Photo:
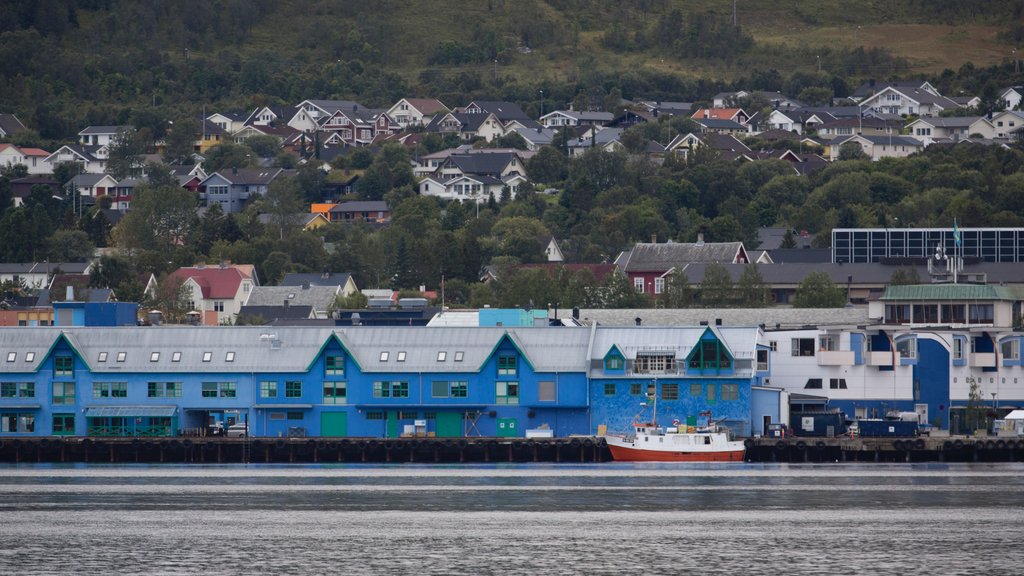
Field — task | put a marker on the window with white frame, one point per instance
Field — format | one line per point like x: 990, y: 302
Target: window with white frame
x: 659, y: 285
x: 638, y: 283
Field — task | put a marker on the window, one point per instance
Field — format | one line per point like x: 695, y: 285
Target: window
x: 837, y: 383
x: 401, y: 357
x: 613, y: 363
x: 442, y: 356
x: 696, y: 390
x: 268, y: 389
x: 390, y: 389
x: 670, y: 391
x: 546, y: 391
x: 383, y: 356
x: 109, y: 389
x: 802, y: 347
x: 439, y: 389
x: 712, y: 392
x: 813, y: 384
x: 219, y: 390
x: 17, y: 423
x: 506, y: 365
x: 63, y: 392
x: 176, y: 357
x: 654, y: 363
x: 506, y: 392
x: 404, y: 415
x: 827, y: 343
x: 460, y: 389
x: 635, y: 389
x: 979, y: 313
x: 334, y: 366
x: 207, y: 356
x: 958, y: 348
x: 63, y: 424
x: 218, y: 305
x: 293, y: 389
x: 163, y: 390
x: 762, y: 360
x: 12, y: 356
x: 730, y: 391
x: 63, y: 366
x: 154, y: 357
x: 277, y: 415
x: 335, y: 393
x: 30, y: 357
x: 638, y: 283
x: 609, y: 389
x: 375, y: 415
x: 659, y: 285
x: 907, y: 348
x: 294, y: 415
x: 459, y: 355
x: 709, y: 355
x: 18, y: 390
x: 1010, y: 349
x: 229, y: 357
x: 122, y: 356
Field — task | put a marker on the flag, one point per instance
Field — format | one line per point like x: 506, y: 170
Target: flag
x: 956, y: 233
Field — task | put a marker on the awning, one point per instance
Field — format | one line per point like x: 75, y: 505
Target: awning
x: 283, y: 406
x: 129, y: 411
x: 20, y: 406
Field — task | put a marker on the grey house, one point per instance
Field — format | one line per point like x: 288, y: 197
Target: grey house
x: 234, y: 189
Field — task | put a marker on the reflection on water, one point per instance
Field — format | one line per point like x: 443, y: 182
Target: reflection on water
x: 537, y: 519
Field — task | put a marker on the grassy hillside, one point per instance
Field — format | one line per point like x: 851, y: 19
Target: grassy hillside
x: 63, y: 63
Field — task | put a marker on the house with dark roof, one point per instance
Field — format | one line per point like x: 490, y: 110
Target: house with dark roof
x: 10, y: 125
x: 561, y: 118
x: 648, y: 265
x: 720, y: 126
x: 263, y: 315
x: 374, y: 211
x: 507, y: 113
x: 93, y: 185
x: 604, y: 139
x: 319, y: 298
x: 91, y: 158
x: 343, y: 280
x: 877, y: 147
x: 21, y: 188
x: 233, y: 189
x: 727, y: 146
x: 415, y: 111
x: 99, y: 135
x: 907, y: 102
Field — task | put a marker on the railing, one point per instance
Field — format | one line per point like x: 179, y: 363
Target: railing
x: 835, y: 358
x: 883, y: 358
x: 983, y: 359
x: 128, y: 431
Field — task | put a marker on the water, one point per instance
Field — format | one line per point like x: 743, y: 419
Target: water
x: 513, y: 519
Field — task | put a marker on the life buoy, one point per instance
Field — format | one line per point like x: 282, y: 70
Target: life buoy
x: 801, y: 445
x: 1000, y: 445
x: 748, y: 443
x: 898, y: 445
x: 780, y: 445
x: 947, y: 445
x: 919, y: 444
x: 819, y: 445
x: 958, y: 445
x: 990, y: 445
x: 979, y: 445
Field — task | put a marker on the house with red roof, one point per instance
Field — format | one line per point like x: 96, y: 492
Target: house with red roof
x: 31, y: 158
x: 216, y: 292
x: 735, y: 114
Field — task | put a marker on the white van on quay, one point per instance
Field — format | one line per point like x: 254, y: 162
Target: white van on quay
x: 240, y: 430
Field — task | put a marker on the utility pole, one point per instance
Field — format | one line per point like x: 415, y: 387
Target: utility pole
x: 734, y: 13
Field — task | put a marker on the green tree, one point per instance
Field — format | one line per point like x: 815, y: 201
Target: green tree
x: 264, y: 146
x: 171, y: 297
x: 69, y: 246
x: 716, y: 289
x: 753, y: 292
x: 125, y: 154
x: 181, y: 140
x: 852, y: 151
x: 904, y: 276
x: 228, y: 155
x: 618, y: 292
x: 161, y: 219
x: 283, y: 204
x: 548, y: 165
x: 274, y: 267
x: 678, y: 292
x: 818, y: 291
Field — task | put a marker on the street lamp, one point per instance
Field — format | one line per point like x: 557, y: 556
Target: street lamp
x: 541, y: 103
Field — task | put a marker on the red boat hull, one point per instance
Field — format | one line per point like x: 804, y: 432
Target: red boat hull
x: 625, y: 454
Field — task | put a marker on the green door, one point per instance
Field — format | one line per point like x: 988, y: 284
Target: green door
x: 392, y: 425
x: 334, y: 424
x: 448, y: 424
x: 507, y: 427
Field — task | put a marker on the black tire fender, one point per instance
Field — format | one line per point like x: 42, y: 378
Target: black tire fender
x: 780, y: 445
x: 958, y: 445
x: 919, y: 444
x: 819, y: 445
x: 898, y: 445
x: 801, y: 445
x: 748, y: 443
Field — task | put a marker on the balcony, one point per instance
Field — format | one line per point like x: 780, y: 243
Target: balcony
x: 883, y: 358
x: 835, y: 358
x: 983, y: 359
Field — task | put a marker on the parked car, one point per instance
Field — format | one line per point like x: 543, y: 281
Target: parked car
x: 240, y: 430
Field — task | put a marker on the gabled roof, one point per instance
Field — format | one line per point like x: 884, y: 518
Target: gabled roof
x: 720, y: 124
x: 90, y: 180
x: 489, y: 164
x: 99, y: 130
x: 320, y: 297
x: 215, y: 282
x: 717, y: 113
x: 923, y: 292
x: 644, y: 257
x: 247, y: 176
x: 948, y: 122
x: 426, y: 105
x: 361, y: 206
x: 504, y: 111
x: 325, y: 279
x: 9, y: 124
x: 271, y: 313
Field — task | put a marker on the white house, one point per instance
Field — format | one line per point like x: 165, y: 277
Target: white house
x: 928, y: 130
x: 907, y: 102
x: 415, y: 111
x: 1004, y: 123
x: 99, y: 135
x: 93, y: 159
x: 1012, y: 96
x: 878, y: 147
x: 560, y: 118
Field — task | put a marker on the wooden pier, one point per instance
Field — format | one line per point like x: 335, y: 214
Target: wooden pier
x: 920, y: 449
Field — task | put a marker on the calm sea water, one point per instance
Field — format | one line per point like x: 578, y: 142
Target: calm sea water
x: 662, y: 519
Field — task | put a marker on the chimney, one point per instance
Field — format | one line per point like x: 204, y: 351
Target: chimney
x: 638, y: 320
x: 305, y: 285
x: 718, y: 321
x: 654, y: 238
x: 700, y: 238
x: 575, y: 313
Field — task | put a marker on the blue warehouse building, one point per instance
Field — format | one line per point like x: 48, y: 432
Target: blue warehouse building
x: 374, y: 381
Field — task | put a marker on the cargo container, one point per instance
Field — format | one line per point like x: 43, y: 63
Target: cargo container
x: 885, y: 428
x: 827, y: 424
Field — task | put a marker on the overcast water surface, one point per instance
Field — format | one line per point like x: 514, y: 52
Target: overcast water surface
x: 659, y: 519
